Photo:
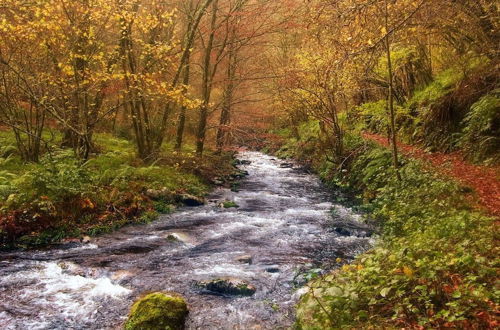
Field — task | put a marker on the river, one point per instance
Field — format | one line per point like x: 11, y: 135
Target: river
x: 286, y: 224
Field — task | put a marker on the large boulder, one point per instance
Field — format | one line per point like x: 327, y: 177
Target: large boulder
x: 158, y: 311
x: 228, y: 286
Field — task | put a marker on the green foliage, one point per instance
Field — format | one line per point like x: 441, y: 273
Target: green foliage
x: 375, y: 118
x: 157, y: 311
x: 481, y: 132
x: 163, y: 207
x: 432, y: 266
x: 442, y: 85
x: 148, y: 217
x: 61, y: 196
x: 306, y: 145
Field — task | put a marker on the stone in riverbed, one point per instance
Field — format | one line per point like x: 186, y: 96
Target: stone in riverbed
x: 190, y: 200
x: 228, y: 286
x: 158, y: 311
x: 272, y: 269
x: 342, y: 231
x: 246, y: 259
x: 286, y: 165
x: 242, y: 162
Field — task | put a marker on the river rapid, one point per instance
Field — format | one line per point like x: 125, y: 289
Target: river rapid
x: 285, y: 222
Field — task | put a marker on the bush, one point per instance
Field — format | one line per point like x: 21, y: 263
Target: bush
x: 432, y: 267
x: 481, y: 132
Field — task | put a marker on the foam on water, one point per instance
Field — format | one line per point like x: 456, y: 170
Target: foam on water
x: 72, y: 296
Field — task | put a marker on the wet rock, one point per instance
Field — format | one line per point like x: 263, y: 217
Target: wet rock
x: 173, y: 238
x: 242, y: 162
x: 239, y: 175
x: 70, y: 243
x: 191, y: 200
x: 159, y: 194
x: 228, y: 286
x: 218, y: 181
x: 272, y: 269
x: 246, y: 259
x: 342, y: 231
x: 132, y: 248
x: 286, y: 165
x: 158, y: 311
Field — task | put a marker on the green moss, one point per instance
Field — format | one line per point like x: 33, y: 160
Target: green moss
x: 229, y: 204
x: 157, y: 311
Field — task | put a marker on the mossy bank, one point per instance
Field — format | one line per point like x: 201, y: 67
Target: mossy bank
x: 61, y: 196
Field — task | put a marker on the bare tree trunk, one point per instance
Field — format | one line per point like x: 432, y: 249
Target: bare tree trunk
x: 182, y: 114
x: 225, y: 115
x: 185, y: 56
x: 391, y: 96
x: 206, y: 85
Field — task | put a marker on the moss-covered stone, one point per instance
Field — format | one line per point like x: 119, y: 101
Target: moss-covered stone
x: 158, y: 311
x: 229, y: 204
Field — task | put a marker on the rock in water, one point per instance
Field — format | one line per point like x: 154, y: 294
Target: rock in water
x: 190, y: 200
x: 158, y: 311
x: 246, y: 259
x: 229, y: 286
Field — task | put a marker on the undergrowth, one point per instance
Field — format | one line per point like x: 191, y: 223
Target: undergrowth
x: 434, y: 265
x: 62, y: 197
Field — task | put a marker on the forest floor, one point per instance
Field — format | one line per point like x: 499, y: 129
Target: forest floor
x: 483, y: 179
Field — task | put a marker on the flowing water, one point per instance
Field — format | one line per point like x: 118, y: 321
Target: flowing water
x: 285, y: 222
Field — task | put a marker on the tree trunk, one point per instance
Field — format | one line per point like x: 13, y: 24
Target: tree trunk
x: 391, y: 96
x: 206, y: 86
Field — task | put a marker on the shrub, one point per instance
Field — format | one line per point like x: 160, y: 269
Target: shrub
x: 432, y: 267
x: 481, y: 133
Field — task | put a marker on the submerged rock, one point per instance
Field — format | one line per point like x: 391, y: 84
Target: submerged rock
x: 272, y: 269
x: 242, y: 162
x: 246, y: 259
x: 228, y: 286
x: 342, y: 231
x: 158, y: 311
x: 286, y: 165
x: 173, y: 238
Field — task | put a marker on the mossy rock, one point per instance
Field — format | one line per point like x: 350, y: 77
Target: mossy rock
x: 229, y: 204
x: 158, y: 311
x: 190, y: 200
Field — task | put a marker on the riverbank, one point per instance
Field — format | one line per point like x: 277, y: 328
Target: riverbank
x: 62, y: 198
x: 435, y: 263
